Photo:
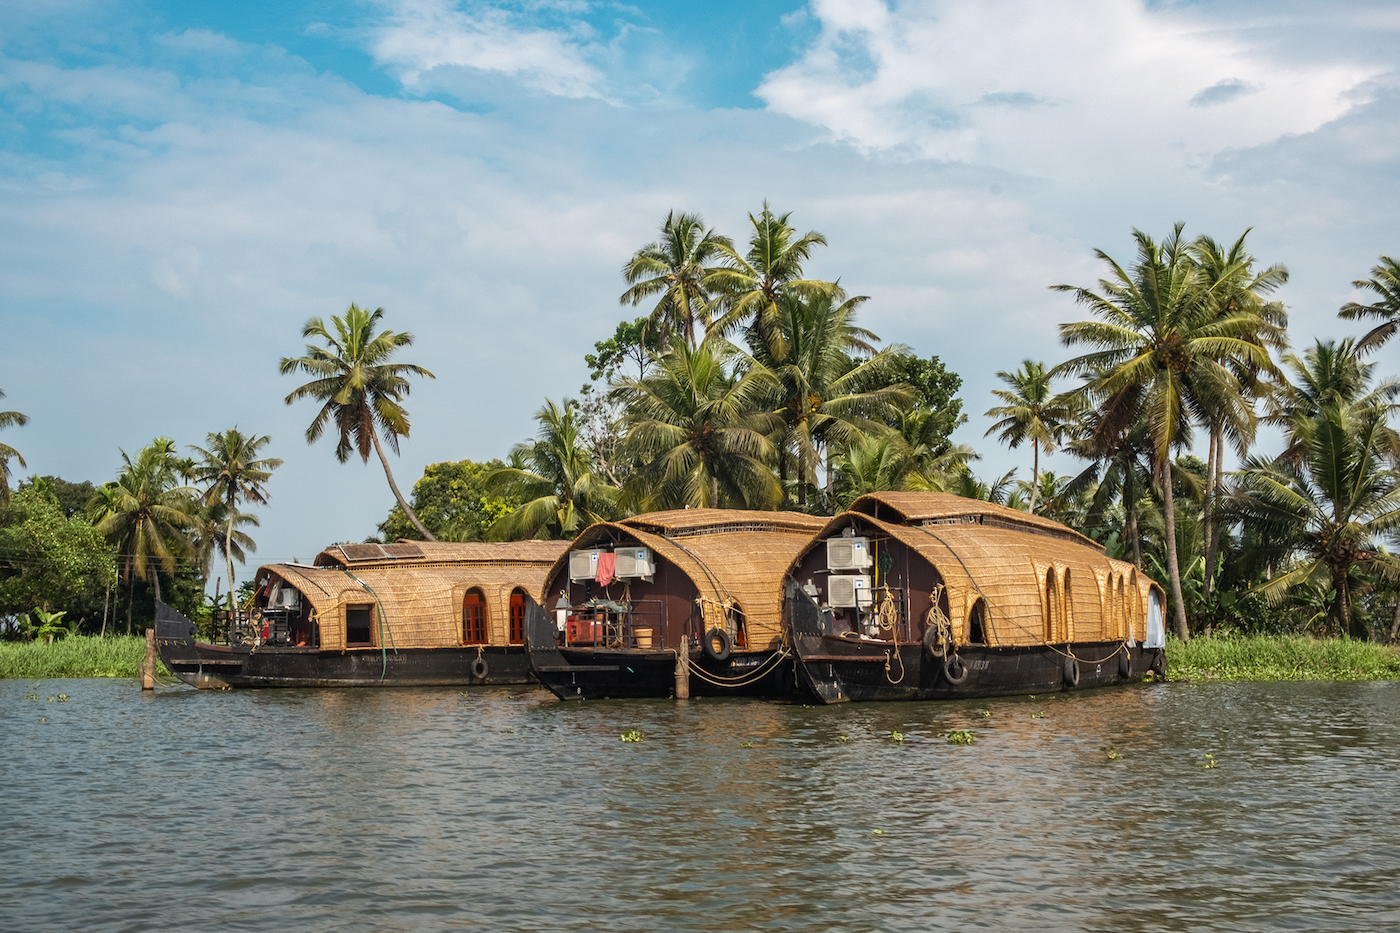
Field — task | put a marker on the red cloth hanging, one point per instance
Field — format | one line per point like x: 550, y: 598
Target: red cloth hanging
x: 607, y: 563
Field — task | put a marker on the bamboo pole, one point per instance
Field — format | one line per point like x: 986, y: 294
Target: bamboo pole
x: 148, y: 669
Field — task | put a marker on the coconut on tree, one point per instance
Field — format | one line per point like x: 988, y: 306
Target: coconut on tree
x: 358, y: 388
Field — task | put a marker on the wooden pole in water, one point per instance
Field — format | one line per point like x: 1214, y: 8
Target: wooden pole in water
x: 148, y: 670
x: 683, y: 671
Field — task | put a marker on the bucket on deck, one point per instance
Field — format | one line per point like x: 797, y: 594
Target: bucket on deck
x: 644, y: 636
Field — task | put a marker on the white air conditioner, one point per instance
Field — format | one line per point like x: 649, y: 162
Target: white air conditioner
x: 848, y: 591
x: 583, y: 565
x: 634, y: 562
x: 848, y: 553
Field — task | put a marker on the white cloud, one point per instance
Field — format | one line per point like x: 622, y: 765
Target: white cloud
x: 422, y: 35
x: 1109, y: 83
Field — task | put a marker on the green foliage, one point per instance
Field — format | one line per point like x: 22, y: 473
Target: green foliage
x: 453, y: 500
x: 961, y: 737
x: 45, y: 626
x: 79, y: 656
x: 52, y: 560
x: 632, y: 343
x: 632, y: 735
x: 1290, y: 657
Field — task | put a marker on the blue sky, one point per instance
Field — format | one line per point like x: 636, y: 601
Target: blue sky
x: 182, y: 185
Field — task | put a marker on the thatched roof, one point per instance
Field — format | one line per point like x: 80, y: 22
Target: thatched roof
x: 420, y: 594
x: 939, y: 508
x: 729, y: 555
x: 1005, y: 560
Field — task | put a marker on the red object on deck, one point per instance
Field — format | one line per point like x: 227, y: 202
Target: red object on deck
x: 607, y: 564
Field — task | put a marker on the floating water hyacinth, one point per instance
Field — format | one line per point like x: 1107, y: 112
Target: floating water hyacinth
x: 1110, y: 753
x: 1207, y: 762
x: 746, y: 745
x: 961, y: 737
x: 632, y: 735
x: 1038, y: 715
x: 896, y: 736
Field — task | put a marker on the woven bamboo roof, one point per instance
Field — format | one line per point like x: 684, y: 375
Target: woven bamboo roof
x: 728, y: 554
x: 1006, y: 565
x: 913, y: 508
x: 360, y: 555
x: 420, y: 595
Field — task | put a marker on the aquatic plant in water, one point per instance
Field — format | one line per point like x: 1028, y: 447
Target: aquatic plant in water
x: 961, y: 737
x: 632, y: 735
x: 896, y: 736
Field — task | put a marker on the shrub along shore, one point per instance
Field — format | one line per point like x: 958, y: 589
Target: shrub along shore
x: 1280, y: 657
x: 77, y: 656
x: 1251, y: 657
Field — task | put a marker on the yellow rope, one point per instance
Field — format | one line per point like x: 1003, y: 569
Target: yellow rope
x: 743, y: 680
x: 1070, y: 654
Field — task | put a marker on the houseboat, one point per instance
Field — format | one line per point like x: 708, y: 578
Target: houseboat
x: 911, y: 596
x: 685, y: 602
x: 369, y: 615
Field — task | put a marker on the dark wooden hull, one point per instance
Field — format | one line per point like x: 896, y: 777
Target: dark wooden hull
x: 841, y: 670
x: 601, y: 673
x: 220, y: 667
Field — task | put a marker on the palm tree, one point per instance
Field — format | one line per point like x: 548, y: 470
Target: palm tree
x: 1121, y: 472
x: 1160, y: 351
x: 555, y: 477
x: 1385, y: 282
x: 8, y: 453
x: 211, y: 535
x: 233, y: 473
x: 1030, y: 413
x: 1331, y: 507
x: 1236, y: 290
x: 358, y: 388
x: 699, y: 431
x: 751, y: 285
x: 147, y: 513
x: 831, y: 387
x: 675, y: 268
x: 1328, y: 373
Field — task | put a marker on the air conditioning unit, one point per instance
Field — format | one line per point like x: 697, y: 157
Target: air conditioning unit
x: 635, y: 562
x: 583, y: 565
x: 848, y: 553
x: 848, y: 591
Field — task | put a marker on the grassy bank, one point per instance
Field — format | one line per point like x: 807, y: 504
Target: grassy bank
x: 1265, y: 657
x: 77, y: 656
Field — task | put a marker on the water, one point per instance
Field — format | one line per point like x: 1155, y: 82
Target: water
x: 351, y: 810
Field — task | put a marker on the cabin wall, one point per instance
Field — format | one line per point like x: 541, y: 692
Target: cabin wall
x: 910, y: 572
x: 667, y: 603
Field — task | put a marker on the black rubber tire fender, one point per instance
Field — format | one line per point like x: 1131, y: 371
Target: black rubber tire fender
x: 1071, y: 672
x: 955, y: 671
x: 1125, y: 663
x: 1159, y: 662
x: 933, y: 645
x: 478, y: 668
x: 726, y: 644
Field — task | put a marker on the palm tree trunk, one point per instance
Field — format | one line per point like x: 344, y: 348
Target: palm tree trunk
x: 412, y: 516
x: 1208, y: 516
x: 1173, y: 570
x: 1035, y: 475
x: 228, y: 555
x: 1133, y: 534
x: 1395, y: 625
x: 155, y: 575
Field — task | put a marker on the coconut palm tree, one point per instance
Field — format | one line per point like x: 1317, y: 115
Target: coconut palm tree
x: 554, y: 475
x: 1161, y: 349
x: 358, y: 388
x: 215, y: 531
x: 751, y: 285
x: 1331, y: 507
x: 8, y: 453
x: 147, y: 513
x: 700, y: 431
x: 677, y: 269
x: 1385, y: 282
x: 233, y: 473
x: 1328, y: 373
x: 1236, y: 289
x: 1030, y: 413
x: 832, y: 389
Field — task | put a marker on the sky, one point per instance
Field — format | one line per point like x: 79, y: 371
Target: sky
x: 184, y: 184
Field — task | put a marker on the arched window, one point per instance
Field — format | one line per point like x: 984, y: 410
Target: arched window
x: 1068, y: 608
x: 739, y: 626
x: 977, y: 623
x: 517, y: 617
x: 474, y: 618
x: 1052, y: 600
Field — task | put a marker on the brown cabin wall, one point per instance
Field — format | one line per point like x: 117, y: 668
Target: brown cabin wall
x: 670, y: 586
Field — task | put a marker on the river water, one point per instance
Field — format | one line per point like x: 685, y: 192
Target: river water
x: 443, y: 809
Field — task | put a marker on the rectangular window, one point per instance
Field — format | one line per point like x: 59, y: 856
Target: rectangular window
x: 359, y: 625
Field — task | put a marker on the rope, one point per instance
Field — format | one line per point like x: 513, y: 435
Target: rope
x: 1067, y: 653
x: 743, y: 680
x: 985, y: 601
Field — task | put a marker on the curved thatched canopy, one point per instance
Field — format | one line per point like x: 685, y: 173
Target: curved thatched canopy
x: 416, y: 589
x: 731, y: 556
x: 1040, y: 582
